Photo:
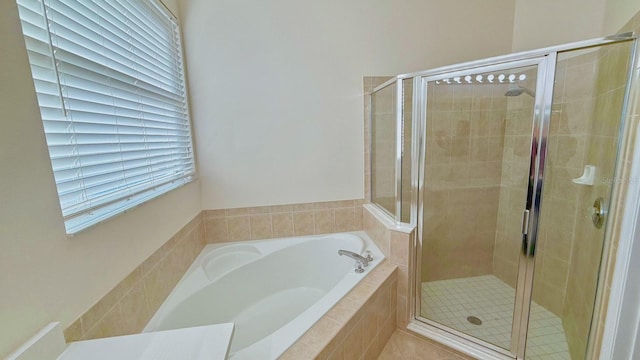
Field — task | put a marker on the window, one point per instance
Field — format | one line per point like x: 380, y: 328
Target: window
x: 110, y: 84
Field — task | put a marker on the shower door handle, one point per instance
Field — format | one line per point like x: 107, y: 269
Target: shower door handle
x: 598, y: 212
x: 525, y: 232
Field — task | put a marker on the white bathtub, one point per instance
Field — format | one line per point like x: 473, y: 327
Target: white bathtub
x: 272, y: 290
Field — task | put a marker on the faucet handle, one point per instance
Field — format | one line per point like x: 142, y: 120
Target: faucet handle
x: 359, y: 267
x: 368, y: 255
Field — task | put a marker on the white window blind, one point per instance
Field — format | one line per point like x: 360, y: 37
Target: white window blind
x: 110, y: 84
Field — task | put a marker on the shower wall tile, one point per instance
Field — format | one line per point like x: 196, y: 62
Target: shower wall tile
x: 267, y: 222
x: 128, y: 307
x: 465, y: 130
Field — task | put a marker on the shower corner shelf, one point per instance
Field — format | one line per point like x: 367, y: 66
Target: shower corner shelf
x: 588, y: 176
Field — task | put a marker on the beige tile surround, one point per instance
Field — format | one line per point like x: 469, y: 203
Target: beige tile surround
x: 128, y: 307
x: 130, y: 304
x: 463, y: 160
x: 396, y: 246
x: 269, y: 222
x: 358, y: 326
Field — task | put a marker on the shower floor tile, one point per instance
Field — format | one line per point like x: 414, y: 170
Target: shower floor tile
x: 450, y: 302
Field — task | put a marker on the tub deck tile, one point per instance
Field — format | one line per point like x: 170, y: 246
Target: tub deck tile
x: 353, y: 327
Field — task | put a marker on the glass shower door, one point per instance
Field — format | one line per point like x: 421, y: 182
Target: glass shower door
x: 588, y: 99
x: 478, y: 157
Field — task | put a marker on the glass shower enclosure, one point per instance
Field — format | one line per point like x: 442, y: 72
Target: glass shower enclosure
x: 506, y: 167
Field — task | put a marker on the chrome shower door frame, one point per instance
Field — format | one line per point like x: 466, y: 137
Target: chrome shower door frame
x: 544, y: 65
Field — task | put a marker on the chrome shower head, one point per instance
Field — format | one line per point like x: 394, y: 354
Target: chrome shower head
x: 517, y: 90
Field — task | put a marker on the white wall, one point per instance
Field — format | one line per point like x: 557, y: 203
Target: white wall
x: 276, y: 86
x: 618, y: 13
x: 45, y: 276
x: 543, y: 23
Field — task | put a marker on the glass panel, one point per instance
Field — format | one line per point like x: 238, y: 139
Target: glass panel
x: 478, y: 142
x: 585, y: 123
x: 383, y: 147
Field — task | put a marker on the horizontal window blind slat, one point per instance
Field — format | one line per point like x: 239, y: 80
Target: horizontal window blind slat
x: 101, y: 15
x: 94, y: 173
x: 137, y: 104
x: 69, y: 162
x: 56, y: 126
x: 78, y: 13
x: 86, y: 139
x: 143, y: 41
x: 123, y: 195
x: 80, y: 107
x: 144, y: 29
x: 35, y: 30
x: 125, y: 91
x: 61, y: 136
x: 98, y: 192
x: 88, y: 148
x: 76, y: 66
x: 126, y: 118
x: 32, y: 6
x: 119, y: 57
x: 123, y: 99
x: 72, y: 147
x: 109, y: 130
x: 39, y: 53
x: 118, y: 49
x: 67, y: 54
x: 82, y: 219
x: 153, y: 25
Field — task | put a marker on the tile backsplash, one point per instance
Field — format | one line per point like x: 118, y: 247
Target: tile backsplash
x: 128, y: 307
x: 269, y: 222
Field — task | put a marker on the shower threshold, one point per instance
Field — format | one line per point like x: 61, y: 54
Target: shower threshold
x: 482, y: 306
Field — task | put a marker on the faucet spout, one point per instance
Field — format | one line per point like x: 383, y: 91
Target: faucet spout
x: 354, y: 256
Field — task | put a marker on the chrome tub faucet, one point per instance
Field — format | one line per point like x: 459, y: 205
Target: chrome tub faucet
x: 361, y: 261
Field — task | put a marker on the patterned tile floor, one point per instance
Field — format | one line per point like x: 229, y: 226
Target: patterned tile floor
x: 450, y: 302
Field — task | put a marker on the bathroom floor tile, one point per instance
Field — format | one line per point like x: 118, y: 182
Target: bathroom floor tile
x: 451, y: 302
x: 405, y: 346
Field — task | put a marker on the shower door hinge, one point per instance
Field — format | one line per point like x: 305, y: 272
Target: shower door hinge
x: 525, y: 222
x: 525, y: 232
